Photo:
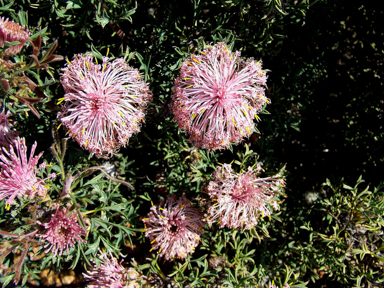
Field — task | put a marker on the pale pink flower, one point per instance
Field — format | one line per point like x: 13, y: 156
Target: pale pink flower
x: 104, y: 103
x: 62, y: 231
x: 174, y: 227
x: 111, y: 273
x: 241, y: 199
x: 7, y: 136
x: 18, y: 173
x: 11, y: 32
x: 217, y: 96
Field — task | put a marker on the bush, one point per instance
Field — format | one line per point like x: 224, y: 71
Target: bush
x: 80, y: 213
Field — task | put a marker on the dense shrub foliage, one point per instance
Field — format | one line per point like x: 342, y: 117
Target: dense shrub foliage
x: 191, y: 143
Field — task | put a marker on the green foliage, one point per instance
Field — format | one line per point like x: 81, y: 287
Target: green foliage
x: 352, y: 250
x: 324, y: 61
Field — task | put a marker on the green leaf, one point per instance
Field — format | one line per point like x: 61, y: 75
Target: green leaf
x: 78, y: 253
x: 96, y: 53
x: 345, y: 186
x: 6, y: 279
x: 92, y: 248
x: 6, y: 8
x: 102, y: 224
x: 379, y: 257
x: 11, y: 44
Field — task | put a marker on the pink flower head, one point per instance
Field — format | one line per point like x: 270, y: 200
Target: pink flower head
x: 7, y: 136
x: 174, y: 227
x: 217, y: 96
x: 62, y: 231
x: 111, y: 273
x: 10, y: 32
x: 18, y: 173
x: 240, y: 199
x: 104, y: 104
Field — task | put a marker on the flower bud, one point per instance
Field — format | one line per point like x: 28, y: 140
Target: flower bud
x: 4, y: 84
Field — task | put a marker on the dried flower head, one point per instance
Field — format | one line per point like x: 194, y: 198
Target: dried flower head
x: 18, y: 173
x: 240, y: 199
x: 11, y: 32
x: 311, y: 197
x: 104, y: 104
x: 111, y: 273
x: 218, y: 262
x: 174, y: 227
x: 7, y: 136
x: 217, y: 96
x: 62, y: 231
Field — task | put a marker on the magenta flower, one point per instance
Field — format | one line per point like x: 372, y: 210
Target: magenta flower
x: 7, y: 136
x: 110, y: 273
x: 104, y: 104
x: 62, y: 231
x: 174, y: 227
x: 10, y: 32
x: 240, y: 199
x: 217, y: 96
x: 18, y: 173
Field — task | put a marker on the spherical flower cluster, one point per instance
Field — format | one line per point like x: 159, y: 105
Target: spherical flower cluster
x: 11, y: 32
x: 104, y: 104
x: 7, y: 136
x: 62, y: 231
x: 240, y: 199
x: 111, y: 274
x: 174, y: 227
x: 217, y: 96
x: 18, y: 173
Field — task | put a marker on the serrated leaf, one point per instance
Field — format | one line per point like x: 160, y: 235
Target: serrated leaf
x: 102, y: 224
x: 92, y: 248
